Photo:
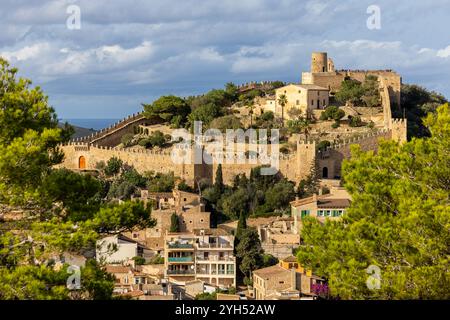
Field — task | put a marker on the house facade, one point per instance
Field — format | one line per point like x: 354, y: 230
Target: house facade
x: 304, y: 97
x: 205, y: 254
x: 327, y: 206
x: 285, y: 281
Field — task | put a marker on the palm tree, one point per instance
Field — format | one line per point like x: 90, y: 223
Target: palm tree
x: 282, y: 100
x: 304, y: 125
x: 251, y: 106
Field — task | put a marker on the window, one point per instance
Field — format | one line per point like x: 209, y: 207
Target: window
x: 281, y: 282
x: 299, y: 91
x: 318, y: 93
x: 323, y: 102
x: 135, y: 235
x: 165, y: 199
x: 304, y: 213
x: 312, y: 102
x: 328, y: 213
x: 190, y: 221
x: 186, y: 199
x: 320, y: 213
x: 297, y: 102
x: 201, y: 220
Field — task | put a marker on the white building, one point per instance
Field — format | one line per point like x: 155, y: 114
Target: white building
x: 119, y: 249
x: 205, y: 254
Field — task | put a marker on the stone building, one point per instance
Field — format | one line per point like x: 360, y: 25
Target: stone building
x: 187, y: 206
x: 323, y: 74
x: 279, y: 237
x: 304, y: 97
x: 327, y: 206
x: 284, y: 281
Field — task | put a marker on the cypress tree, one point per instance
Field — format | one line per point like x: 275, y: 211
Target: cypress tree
x: 174, y: 226
x: 218, y: 184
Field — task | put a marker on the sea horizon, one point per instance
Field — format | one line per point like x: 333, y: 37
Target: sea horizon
x: 90, y: 123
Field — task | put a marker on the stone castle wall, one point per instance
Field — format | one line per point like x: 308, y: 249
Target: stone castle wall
x: 110, y: 136
x: 333, y: 80
x: 86, y: 152
x: 295, y: 166
x: 332, y: 157
x: 142, y: 160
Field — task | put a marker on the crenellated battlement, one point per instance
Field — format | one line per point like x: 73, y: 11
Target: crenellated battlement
x: 399, y: 121
x: 359, y: 139
x: 112, y: 128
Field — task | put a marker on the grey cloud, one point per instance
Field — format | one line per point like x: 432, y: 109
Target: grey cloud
x: 128, y: 52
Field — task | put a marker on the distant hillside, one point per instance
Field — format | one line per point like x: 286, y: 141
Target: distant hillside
x: 79, y: 131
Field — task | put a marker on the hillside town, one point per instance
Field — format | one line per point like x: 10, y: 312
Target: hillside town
x: 190, y: 252
x: 155, y: 207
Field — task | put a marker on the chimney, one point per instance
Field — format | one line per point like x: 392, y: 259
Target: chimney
x: 314, y: 197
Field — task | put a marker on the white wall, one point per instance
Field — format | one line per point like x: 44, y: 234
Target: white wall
x: 125, y: 250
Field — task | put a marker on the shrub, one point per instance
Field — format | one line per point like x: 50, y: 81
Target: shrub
x: 127, y: 139
x: 355, y: 121
x: 113, y: 166
x: 156, y: 139
x: 139, y: 260
x: 323, y: 144
x: 332, y: 113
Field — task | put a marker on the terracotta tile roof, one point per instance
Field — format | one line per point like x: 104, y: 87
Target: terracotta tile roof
x: 211, y: 232
x: 310, y: 87
x: 161, y: 194
x: 117, y: 269
x: 135, y: 293
x: 333, y: 203
x: 290, y: 258
x: 268, y: 272
x: 303, y: 201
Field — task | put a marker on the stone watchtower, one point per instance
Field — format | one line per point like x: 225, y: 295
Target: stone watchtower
x: 319, y: 62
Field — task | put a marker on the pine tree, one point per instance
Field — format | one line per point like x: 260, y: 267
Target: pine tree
x: 393, y: 241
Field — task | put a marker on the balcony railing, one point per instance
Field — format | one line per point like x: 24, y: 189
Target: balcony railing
x: 180, y: 272
x: 214, y: 258
x: 214, y: 245
x: 214, y: 272
x: 180, y: 245
x: 180, y: 259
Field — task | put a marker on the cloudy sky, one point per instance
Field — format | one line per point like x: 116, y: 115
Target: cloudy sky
x: 132, y: 51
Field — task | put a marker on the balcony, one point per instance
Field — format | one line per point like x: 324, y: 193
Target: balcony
x: 181, y: 272
x: 215, y: 272
x: 178, y: 245
x: 215, y: 258
x: 180, y: 259
x: 203, y: 245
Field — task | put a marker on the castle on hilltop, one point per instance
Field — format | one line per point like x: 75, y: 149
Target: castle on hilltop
x: 84, y: 153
